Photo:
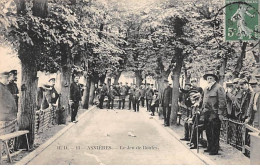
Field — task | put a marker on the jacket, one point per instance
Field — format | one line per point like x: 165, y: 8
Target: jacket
x: 253, y: 112
x: 75, y: 93
x: 167, y: 96
x: 111, y: 93
x: 149, y: 94
x: 137, y: 94
x: 214, y: 102
x: 122, y: 92
x: 8, y: 109
x: 247, y: 96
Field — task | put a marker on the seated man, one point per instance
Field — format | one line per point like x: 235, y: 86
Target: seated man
x: 196, y: 121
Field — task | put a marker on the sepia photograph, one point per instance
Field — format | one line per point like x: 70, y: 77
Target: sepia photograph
x: 129, y: 82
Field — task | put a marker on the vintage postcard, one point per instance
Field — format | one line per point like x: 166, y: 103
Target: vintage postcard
x: 129, y: 82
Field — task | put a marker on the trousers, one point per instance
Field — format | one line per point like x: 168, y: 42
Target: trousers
x: 166, y: 114
x: 212, y: 133
x: 74, y: 110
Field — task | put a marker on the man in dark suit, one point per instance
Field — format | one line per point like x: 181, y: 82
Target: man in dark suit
x: 213, y: 110
x: 166, y: 103
x: 136, y: 99
x: 122, y: 95
x: 75, y: 98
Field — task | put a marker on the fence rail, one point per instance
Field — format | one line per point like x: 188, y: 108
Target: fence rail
x: 237, y: 134
x: 45, y: 119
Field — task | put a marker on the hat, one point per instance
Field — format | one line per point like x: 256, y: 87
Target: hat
x: 243, y: 81
x: 5, y: 73
x: 13, y: 72
x: 210, y: 73
x: 165, y: 80
x: 152, y: 84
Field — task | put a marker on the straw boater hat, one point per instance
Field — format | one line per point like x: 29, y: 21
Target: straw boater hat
x: 210, y: 73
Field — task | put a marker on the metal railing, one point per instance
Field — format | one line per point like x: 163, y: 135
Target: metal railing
x: 237, y: 134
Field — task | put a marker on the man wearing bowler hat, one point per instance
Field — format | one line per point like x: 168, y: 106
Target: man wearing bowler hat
x: 213, y: 109
x: 166, y: 103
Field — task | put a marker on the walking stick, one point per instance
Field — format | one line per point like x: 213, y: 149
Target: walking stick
x: 193, y: 127
x: 197, y: 122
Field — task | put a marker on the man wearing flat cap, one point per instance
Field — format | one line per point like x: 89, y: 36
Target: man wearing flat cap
x: 12, y: 86
x: 166, y: 103
x: 213, y: 108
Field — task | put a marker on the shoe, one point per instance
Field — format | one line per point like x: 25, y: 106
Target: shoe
x: 74, y: 121
x: 194, y: 147
x: 207, y: 150
x: 213, y: 153
x: 184, y: 139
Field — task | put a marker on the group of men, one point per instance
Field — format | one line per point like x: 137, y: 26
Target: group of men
x: 207, y: 108
x: 243, y: 101
x: 136, y: 95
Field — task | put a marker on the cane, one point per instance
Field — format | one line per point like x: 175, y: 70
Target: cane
x: 197, y: 122
x: 193, y: 127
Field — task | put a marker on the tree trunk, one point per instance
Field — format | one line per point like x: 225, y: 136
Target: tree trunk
x: 65, y: 81
x: 27, y: 55
x: 85, y: 100
x: 102, y: 79
x: 222, y: 71
x: 92, y: 92
x: 239, y: 64
x: 175, y: 89
x: 26, y: 117
x: 40, y: 8
x: 160, y: 82
x: 139, y: 78
x: 117, y: 77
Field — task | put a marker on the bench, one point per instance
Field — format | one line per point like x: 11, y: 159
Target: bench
x: 6, y: 137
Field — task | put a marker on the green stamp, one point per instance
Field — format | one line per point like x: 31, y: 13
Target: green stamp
x: 241, y: 20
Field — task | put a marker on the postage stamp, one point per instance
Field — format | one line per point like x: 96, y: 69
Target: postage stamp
x: 241, y: 20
